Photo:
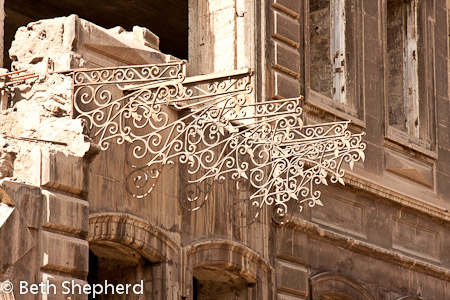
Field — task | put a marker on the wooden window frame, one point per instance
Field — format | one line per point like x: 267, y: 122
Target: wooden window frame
x: 334, y: 107
x: 422, y: 100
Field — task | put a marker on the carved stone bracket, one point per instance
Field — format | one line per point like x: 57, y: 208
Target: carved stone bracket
x: 209, y: 126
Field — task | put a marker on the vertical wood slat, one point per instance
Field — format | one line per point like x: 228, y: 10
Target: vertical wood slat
x: 337, y: 42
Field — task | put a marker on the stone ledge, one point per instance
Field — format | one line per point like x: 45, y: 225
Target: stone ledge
x: 360, y: 182
x: 57, y: 281
x: 27, y: 198
x: 65, y: 213
x: 63, y: 172
x: 345, y: 242
x: 12, y: 245
x: 64, y: 254
x: 288, y: 297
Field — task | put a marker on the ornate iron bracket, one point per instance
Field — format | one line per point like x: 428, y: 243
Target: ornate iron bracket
x: 207, y: 124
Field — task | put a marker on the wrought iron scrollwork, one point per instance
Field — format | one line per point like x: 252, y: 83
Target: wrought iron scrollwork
x: 207, y: 124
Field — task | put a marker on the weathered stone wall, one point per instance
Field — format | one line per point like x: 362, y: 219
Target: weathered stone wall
x: 384, y: 235
x: 51, y: 222
x: 46, y: 156
x: 235, y: 22
x: 66, y: 43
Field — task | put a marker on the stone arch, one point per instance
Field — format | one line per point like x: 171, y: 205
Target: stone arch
x: 335, y: 286
x: 127, y: 249
x: 130, y: 235
x: 228, y: 262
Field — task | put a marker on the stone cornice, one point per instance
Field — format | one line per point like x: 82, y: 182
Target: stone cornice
x: 316, y: 232
x: 374, y: 188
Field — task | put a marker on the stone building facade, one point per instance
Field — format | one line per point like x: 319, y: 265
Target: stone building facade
x: 66, y: 211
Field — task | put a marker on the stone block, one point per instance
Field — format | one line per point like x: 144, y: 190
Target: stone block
x: 146, y: 37
x: 287, y: 29
x: 27, y: 199
x: 289, y: 297
x: 28, y: 166
x: 13, y: 246
x: 416, y: 236
x: 347, y: 215
x: 285, y: 86
x: 443, y: 184
x: 288, y: 58
x: 293, y: 5
x: 57, y: 292
x: 413, y: 170
x: 291, y: 244
x: 63, y: 172
x: 64, y: 254
x: 65, y: 213
x: 6, y: 163
x: 74, y: 43
x: 291, y: 278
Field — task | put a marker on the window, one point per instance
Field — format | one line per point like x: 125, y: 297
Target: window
x: 408, y: 50
x: 402, y: 83
x: 331, y: 66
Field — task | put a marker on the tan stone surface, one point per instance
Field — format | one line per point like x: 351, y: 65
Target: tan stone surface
x: 65, y: 213
x: 64, y: 254
x: 63, y: 172
x: 58, y: 282
x: 13, y: 246
x: 292, y: 278
x: 70, y: 42
x: 27, y: 198
x: 382, y: 236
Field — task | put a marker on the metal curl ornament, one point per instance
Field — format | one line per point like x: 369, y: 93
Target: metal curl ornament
x: 207, y: 124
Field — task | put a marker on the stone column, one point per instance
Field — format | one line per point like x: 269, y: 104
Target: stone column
x: 64, y: 250
x: 44, y: 236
